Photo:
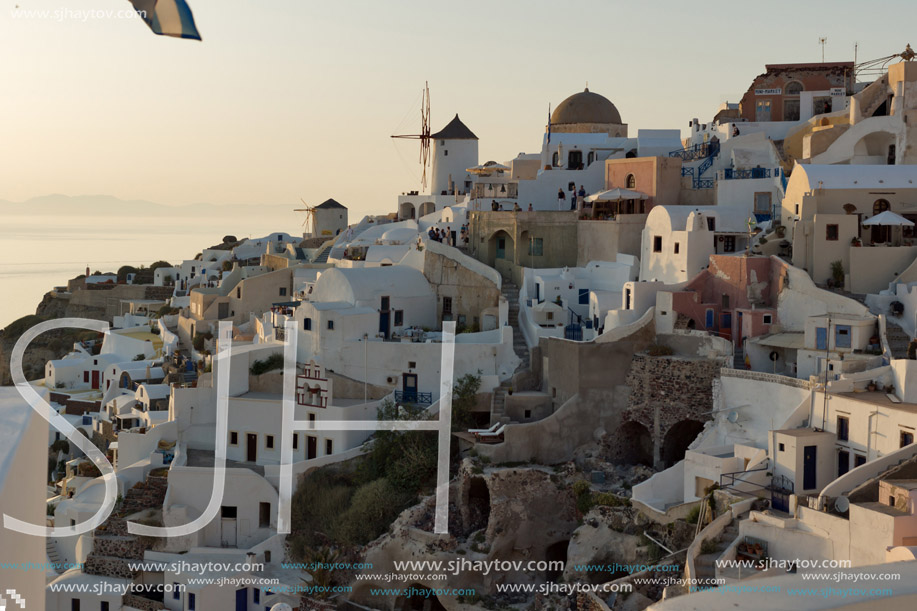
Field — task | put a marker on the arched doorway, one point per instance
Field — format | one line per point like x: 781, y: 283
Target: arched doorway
x: 427, y: 208
x: 677, y: 440
x: 556, y: 552
x: 880, y: 233
x: 422, y: 598
x: 502, y: 247
x: 635, y: 444
x: 406, y: 211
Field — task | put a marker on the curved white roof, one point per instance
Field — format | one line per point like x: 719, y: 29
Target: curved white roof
x: 400, y: 235
x: 728, y: 220
x: 858, y: 176
x: 359, y: 286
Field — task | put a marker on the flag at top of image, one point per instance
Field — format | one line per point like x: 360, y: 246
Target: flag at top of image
x: 168, y: 17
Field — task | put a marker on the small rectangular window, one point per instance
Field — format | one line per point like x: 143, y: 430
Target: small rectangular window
x: 233, y: 438
x: 412, y: 364
x: 831, y: 233
x: 329, y: 447
x: 528, y: 414
x: 583, y: 296
x: 843, y: 428
x: 780, y: 447
x: 399, y: 318
x: 312, y: 421
x: 536, y: 247
x: 239, y: 292
x: 330, y: 325
x: 307, y: 324
x: 283, y: 291
x: 657, y: 243
x: 191, y: 602
x: 843, y: 462
x: 906, y: 438
x: 269, y: 442
x: 725, y: 301
x: 767, y: 319
x: 264, y: 518
x: 677, y: 245
x: 228, y: 513
x: 447, y: 306
x: 295, y: 441
x: 711, y: 223
x: 858, y: 460
x: 176, y: 594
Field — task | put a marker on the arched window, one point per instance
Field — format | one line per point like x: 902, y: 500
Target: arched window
x: 880, y: 206
x: 631, y: 182
x: 793, y: 88
x: 554, y: 160
x: 590, y: 158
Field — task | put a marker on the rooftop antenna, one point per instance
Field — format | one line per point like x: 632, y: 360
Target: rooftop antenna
x: 822, y: 41
x: 310, y: 215
x: 424, y: 135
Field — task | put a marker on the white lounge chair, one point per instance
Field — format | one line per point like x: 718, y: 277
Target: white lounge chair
x: 493, y: 428
x: 491, y: 436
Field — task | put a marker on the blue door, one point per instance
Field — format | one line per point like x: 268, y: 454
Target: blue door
x: 501, y: 248
x: 708, y: 322
x: 242, y: 599
x: 821, y: 338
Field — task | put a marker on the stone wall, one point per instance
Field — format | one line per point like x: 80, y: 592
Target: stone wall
x: 471, y: 293
x: 665, y: 391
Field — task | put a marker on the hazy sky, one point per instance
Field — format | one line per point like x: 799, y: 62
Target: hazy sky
x: 287, y: 98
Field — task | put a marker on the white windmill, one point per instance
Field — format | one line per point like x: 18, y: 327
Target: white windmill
x: 310, y: 217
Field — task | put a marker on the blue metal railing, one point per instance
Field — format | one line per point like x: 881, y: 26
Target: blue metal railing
x: 703, y: 183
x: 698, y: 151
x: 732, y: 174
x: 412, y: 396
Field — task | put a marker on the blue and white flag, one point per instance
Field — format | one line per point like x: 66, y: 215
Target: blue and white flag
x: 168, y: 17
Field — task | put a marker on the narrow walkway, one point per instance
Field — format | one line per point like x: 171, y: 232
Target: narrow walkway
x: 511, y: 292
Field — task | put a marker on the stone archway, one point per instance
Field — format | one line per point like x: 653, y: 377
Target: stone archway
x: 635, y: 444
x: 556, y: 552
x: 677, y: 439
x: 406, y: 211
x: 422, y: 599
x: 501, y: 247
x: 427, y: 208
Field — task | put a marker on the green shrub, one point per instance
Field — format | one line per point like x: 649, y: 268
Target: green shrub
x: 607, y: 499
x: 373, y: 508
x: 464, y: 397
x: 61, y: 445
x: 693, y: 515
x: 660, y: 350
x: 275, y: 361
x: 837, y: 273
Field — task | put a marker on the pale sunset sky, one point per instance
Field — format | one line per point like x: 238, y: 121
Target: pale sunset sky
x: 294, y: 98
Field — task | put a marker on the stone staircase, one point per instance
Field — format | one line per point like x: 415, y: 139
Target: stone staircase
x: 898, y: 340
x: 738, y: 360
x: 498, y: 405
x: 53, y: 555
x: 704, y: 565
x: 323, y: 255
x: 511, y: 292
x: 113, y: 546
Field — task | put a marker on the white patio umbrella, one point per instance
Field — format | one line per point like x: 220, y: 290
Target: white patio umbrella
x: 488, y: 168
x: 888, y: 218
x: 614, y: 195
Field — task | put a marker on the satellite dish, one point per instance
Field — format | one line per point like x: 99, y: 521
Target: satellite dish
x: 281, y: 607
x: 732, y: 416
x: 841, y: 504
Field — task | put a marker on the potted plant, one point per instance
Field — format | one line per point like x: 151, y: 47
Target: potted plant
x: 781, y: 231
x: 871, y: 387
x: 856, y: 242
